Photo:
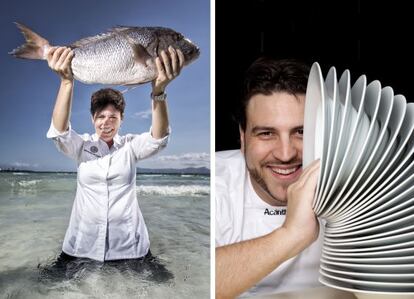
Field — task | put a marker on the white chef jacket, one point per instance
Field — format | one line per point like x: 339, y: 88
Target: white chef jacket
x: 106, y: 222
x: 242, y: 215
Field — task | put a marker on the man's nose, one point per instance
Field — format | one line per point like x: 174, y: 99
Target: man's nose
x: 286, y: 151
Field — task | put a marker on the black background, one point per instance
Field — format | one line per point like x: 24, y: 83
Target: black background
x: 366, y: 37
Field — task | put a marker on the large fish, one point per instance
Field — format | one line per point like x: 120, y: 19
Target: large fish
x: 121, y: 56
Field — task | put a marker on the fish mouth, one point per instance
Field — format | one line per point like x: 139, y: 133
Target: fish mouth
x: 197, y: 52
x: 190, y: 50
x: 193, y: 55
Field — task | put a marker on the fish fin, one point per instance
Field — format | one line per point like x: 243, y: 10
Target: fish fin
x: 100, y: 37
x: 91, y: 39
x: 131, y: 85
x: 136, y: 83
x: 140, y: 54
x: 35, y: 46
x: 129, y: 88
x: 120, y: 28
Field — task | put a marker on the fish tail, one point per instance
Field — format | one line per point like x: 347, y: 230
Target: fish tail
x: 36, y: 47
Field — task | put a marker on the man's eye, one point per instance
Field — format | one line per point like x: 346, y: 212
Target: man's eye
x: 265, y: 133
x: 300, y: 131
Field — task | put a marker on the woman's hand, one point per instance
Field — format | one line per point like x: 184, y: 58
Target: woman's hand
x: 169, y: 66
x: 59, y: 60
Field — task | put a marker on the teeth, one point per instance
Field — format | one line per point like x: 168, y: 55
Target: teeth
x: 107, y: 130
x: 284, y: 171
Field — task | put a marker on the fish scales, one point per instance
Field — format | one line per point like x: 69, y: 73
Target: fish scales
x: 91, y: 64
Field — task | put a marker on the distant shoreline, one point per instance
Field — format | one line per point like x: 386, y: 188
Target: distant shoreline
x: 203, y: 172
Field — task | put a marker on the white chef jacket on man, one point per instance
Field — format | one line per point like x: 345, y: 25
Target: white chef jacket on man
x: 242, y: 215
x: 106, y: 222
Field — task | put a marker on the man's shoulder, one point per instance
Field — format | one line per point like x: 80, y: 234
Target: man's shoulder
x: 229, y: 159
x: 230, y: 178
x: 230, y: 172
x: 230, y: 165
x: 229, y: 155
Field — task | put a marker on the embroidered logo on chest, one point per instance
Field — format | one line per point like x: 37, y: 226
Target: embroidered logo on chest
x: 94, y: 149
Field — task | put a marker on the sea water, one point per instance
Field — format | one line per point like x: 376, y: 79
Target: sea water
x: 34, y: 214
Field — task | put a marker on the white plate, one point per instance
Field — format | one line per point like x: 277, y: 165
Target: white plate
x: 346, y: 249
x: 357, y: 242
x: 361, y: 133
x: 388, y: 195
x: 390, y: 277
x: 387, y: 167
x: 333, y: 114
x: 314, y: 130
x: 369, y: 268
x: 364, y: 138
x: 376, y: 141
x: 348, y: 98
x: 396, y: 211
x: 373, y: 293
x: 384, y: 253
x: 409, y: 286
x: 380, y: 237
x: 401, y: 219
x: 346, y: 110
x: 400, y: 260
x: 314, y: 116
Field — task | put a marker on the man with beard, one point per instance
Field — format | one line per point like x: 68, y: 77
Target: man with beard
x: 265, y: 226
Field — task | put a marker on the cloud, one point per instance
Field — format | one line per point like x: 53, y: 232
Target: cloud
x: 143, y: 114
x: 186, y: 157
x: 181, y: 161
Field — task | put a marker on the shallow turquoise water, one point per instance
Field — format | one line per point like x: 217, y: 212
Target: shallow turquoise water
x: 34, y: 213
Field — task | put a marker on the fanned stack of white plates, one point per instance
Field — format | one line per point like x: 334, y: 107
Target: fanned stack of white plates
x: 364, y: 138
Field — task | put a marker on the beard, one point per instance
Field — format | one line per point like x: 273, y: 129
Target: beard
x: 254, y: 175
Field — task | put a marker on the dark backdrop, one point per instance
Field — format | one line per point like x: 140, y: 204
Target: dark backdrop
x: 374, y: 39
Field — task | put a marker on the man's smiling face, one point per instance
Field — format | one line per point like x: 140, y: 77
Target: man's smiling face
x: 272, y: 143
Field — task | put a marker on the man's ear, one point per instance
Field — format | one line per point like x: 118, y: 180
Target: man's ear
x: 242, y: 133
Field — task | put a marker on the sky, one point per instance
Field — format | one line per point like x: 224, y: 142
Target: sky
x: 28, y: 87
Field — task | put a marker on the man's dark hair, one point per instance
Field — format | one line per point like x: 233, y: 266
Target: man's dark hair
x: 267, y: 75
x: 107, y: 96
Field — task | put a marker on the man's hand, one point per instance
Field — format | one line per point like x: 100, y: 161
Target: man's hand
x: 59, y: 60
x: 241, y: 265
x: 301, y: 222
x: 169, y: 67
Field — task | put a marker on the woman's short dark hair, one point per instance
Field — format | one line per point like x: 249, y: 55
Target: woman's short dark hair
x: 107, y: 96
x: 267, y: 75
